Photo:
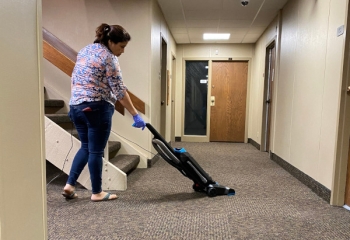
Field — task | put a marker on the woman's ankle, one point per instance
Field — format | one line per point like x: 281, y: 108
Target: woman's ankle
x: 68, y: 187
x: 99, y: 194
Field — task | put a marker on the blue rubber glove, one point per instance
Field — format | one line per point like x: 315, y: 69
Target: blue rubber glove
x: 138, y: 122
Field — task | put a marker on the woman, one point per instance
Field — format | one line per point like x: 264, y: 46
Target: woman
x: 96, y: 86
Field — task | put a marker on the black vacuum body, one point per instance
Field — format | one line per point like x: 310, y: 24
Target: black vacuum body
x: 188, y: 166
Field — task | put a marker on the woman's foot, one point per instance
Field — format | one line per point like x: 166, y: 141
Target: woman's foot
x: 103, y: 196
x: 69, y: 192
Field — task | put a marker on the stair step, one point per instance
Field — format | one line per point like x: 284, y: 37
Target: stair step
x: 59, y: 117
x: 126, y: 163
x: 53, y: 105
x: 113, y: 146
x: 62, y: 120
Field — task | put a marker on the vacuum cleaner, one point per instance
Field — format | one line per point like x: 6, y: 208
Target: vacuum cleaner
x: 188, y: 166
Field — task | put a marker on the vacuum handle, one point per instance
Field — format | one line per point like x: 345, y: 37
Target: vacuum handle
x: 158, y: 136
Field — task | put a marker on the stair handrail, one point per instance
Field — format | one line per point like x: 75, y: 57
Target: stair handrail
x: 64, y: 57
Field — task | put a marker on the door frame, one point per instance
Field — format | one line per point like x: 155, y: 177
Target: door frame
x: 193, y: 138
x: 188, y: 138
x: 163, y: 84
x: 267, y: 118
x: 343, y: 130
x: 173, y: 96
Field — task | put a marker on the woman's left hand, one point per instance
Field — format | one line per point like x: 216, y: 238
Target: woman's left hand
x: 138, y: 122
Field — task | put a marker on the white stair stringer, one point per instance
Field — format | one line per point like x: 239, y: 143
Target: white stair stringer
x: 61, y: 148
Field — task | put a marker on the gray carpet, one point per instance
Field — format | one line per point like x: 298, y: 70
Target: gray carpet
x: 160, y: 203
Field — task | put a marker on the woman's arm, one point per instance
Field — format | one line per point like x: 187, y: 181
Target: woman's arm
x: 126, y: 102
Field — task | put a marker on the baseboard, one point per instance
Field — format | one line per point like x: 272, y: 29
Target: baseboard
x: 311, y: 183
x: 151, y: 162
x: 255, y: 144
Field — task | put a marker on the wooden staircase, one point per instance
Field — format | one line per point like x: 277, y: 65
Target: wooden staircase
x: 116, y: 165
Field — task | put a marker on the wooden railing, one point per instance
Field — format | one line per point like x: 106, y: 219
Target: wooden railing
x: 64, y: 58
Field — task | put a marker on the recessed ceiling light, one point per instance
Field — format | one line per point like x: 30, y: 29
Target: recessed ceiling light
x: 216, y: 36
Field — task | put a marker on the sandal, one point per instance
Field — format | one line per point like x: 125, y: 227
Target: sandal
x: 106, y: 198
x: 71, y: 195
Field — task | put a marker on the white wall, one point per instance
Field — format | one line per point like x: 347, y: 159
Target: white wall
x: 74, y: 22
x: 205, y: 52
x: 257, y: 82
x: 307, y: 86
x: 22, y: 154
x: 160, y: 30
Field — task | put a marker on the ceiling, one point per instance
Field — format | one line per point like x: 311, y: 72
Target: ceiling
x: 189, y: 19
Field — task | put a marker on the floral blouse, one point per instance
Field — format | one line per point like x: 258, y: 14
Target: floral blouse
x: 96, y: 76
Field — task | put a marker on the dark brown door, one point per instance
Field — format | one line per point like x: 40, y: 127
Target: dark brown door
x: 270, y: 72
x: 228, y: 114
x: 163, y: 87
x: 173, y: 85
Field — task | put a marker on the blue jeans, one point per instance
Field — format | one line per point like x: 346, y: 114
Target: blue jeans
x: 93, y: 122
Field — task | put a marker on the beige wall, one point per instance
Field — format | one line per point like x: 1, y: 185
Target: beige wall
x: 257, y: 82
x: 74, y: 22
x: 159, y: 29
x: 22, y: 154
x: 307, y: 86
x: 205, y: 52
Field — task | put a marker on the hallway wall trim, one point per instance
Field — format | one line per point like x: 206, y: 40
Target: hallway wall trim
x: 315, y: 186
x: 255, y: 144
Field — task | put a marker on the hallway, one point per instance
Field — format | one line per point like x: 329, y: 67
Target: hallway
x: 160, y: 203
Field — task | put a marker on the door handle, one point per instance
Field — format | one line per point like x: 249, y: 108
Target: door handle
x: 162, y: 103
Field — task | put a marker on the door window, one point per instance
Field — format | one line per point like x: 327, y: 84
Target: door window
x: 196, y: 93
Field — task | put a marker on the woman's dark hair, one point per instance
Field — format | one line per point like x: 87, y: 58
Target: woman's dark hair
x: 115, y: 33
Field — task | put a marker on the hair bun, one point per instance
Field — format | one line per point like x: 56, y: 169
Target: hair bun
x: 107, y: 28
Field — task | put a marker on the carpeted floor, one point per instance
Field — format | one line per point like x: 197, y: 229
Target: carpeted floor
x: 160, y: 203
